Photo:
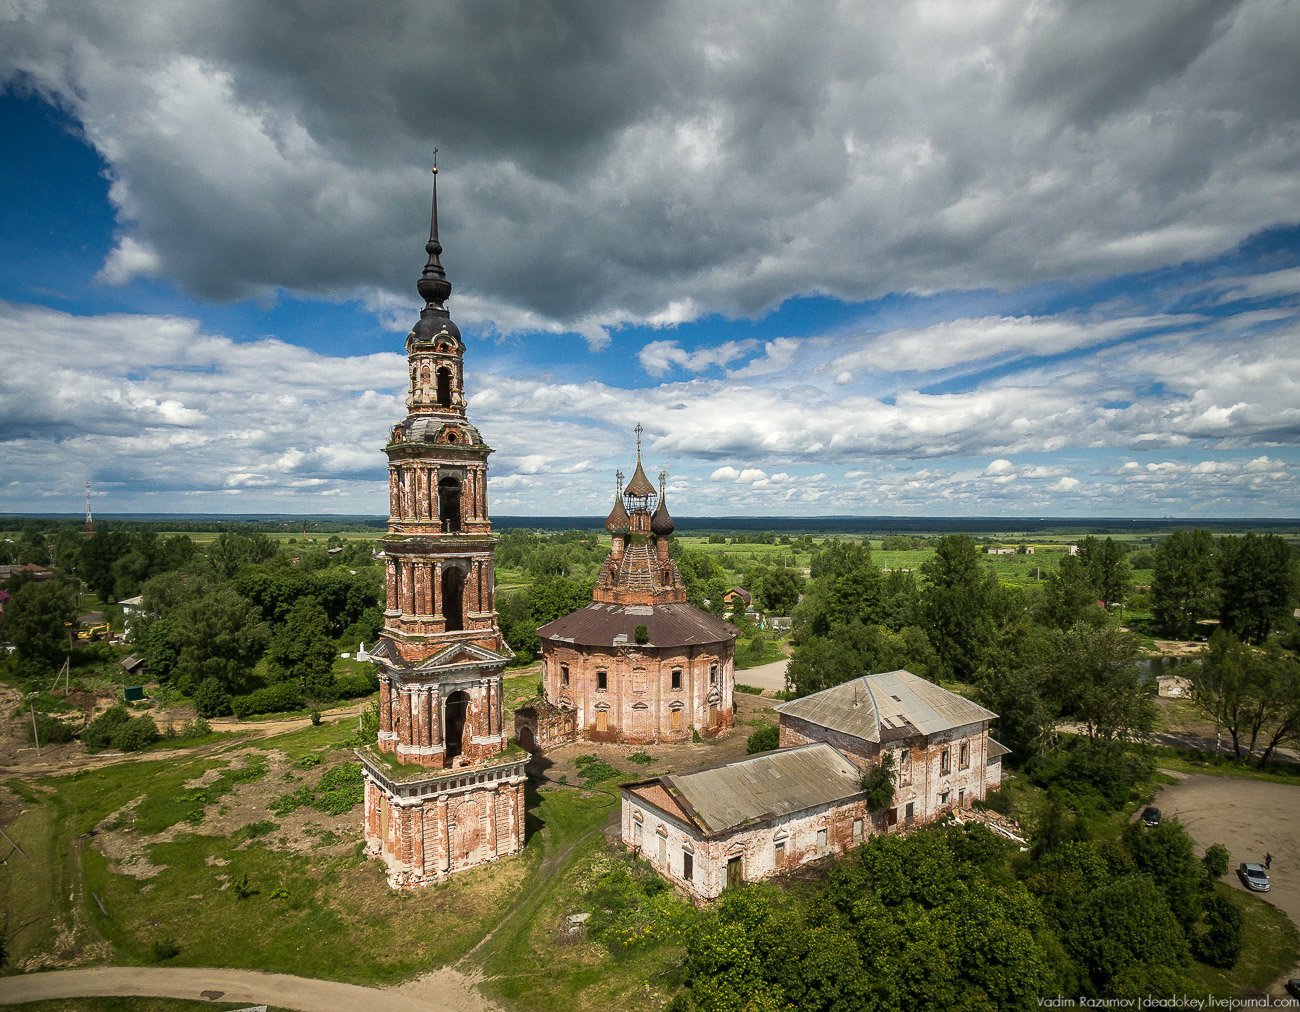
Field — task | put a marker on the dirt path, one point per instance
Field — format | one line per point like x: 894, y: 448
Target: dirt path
x: 444, y: 990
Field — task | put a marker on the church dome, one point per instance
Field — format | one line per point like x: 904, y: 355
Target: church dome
x: 618, y: 521
x: 661, y: 523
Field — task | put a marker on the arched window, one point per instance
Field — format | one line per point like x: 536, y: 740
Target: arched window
x: 449, y: 504
x: 453, y: 592
x: 444, y: 387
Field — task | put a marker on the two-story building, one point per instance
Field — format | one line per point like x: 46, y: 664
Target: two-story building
x: 750, y: 819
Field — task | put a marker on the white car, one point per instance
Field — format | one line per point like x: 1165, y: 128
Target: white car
x: 1254, y: 877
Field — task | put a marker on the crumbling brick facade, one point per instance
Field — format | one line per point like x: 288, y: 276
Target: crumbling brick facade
x: 442, y: 793
x: 715, y: 827
x: 640, y: 664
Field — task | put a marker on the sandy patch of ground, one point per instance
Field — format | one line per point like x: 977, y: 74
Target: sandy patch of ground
x: 1179, y: 648
x: 303, y: 831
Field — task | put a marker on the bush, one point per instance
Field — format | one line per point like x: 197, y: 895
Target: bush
x: 641, y: 634
x: 315, y: 718
x: 196, y: 728
x: 641, y: 758
x: 764, y: 739
x: 594, y: 769
x: 165, y: 949
x: 1220, y: 943
x: 50, y: 730
x: 1215, y: 861
x: 271, y: 699
x: 752, y: 690
x: 210, y: 699
x: 350, y: 685
x: 116, y: 728
x: 135, y: 734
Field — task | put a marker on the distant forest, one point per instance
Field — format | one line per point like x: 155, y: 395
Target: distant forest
x: 274, y: 523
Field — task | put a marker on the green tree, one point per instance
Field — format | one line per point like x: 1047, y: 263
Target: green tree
x: 36, y: 621
x: 1184, y: 582
x: 958, y: 605
x: 1123, y: 923
x: 1219, y: 943
x: 1068, y: 595
x: 1256, y: 584
x: 779, y: 589
x: 1166, y: 853
x: 1094, y: 672
x: 302, y: 648
x: 1107, y: 567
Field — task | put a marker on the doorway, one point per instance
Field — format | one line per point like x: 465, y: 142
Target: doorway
x: 735, y: 870
x: 449, y: 504
x: 455, y: 712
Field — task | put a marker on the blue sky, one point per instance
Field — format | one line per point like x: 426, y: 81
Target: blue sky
x: 938, y: 259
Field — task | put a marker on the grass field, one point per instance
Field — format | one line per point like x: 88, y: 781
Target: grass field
x: 129, y: 858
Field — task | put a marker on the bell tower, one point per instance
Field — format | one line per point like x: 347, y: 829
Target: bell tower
x: 443, y: 792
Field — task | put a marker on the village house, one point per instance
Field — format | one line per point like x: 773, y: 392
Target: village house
x: 757, y: 817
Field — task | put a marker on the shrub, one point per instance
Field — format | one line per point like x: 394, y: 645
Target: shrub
x: 641, y: 758
x: 50, y: 730
x: 594, y: 769
x: 1220, y: 943
x: 764, y: 739
x: 271, y: 699
x: 165, y: 949
x: 210, y: 699
x: 135, y: 734
x: 641, y: 634
x: 879, y: 784
x: 196, y: 728
x: 315, y: 718
x: 1215, y: 861
x: 116, y: 728
x: 350, y: 685
x: 752, y: 690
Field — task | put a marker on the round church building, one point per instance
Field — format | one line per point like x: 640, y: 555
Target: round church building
x: 638, y: 664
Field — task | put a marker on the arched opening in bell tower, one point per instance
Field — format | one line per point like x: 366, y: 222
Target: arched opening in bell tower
x: 444, y: 387
x: 449, y: 504
x: 453, y: 593
x: 457, y: 707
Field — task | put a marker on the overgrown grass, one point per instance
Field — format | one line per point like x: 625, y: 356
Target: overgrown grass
x: 1271, y: 944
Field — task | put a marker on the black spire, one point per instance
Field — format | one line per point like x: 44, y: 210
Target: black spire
x: 433, y: 285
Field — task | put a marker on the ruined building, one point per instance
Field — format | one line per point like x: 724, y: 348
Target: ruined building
x: 443, y: 791
x: 772, y: 812
x: 638, y: 664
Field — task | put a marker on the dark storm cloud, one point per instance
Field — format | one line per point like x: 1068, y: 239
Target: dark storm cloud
x: 629, y: 162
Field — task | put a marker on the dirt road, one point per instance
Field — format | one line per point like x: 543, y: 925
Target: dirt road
x: 765, y: 676
x: 443, y: 990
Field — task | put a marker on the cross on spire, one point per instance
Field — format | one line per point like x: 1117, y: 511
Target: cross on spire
x: 638, y: 430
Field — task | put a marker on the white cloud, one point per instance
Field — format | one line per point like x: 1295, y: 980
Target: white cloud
x: 660, y: 357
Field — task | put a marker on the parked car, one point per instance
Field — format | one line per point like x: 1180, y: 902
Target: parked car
x: 1293, y: 987
x: 1254, y: 876
x: 1150, y: 816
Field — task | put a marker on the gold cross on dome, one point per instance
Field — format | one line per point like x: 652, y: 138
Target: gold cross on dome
x: 638, y: 430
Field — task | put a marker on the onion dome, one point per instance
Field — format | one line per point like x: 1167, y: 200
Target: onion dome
x: 661, y: 523
x: 618, y: 521
x: 639, y: 487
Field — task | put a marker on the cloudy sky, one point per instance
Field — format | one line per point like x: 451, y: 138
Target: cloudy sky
x: 948, y: 258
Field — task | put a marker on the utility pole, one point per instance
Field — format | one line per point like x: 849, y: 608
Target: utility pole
x: 90, y: 519
x: 36, y: 734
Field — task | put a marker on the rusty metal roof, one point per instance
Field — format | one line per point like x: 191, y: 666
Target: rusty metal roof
x: 885, y: 707
x: 759, y: 788
x: 611, y: 625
